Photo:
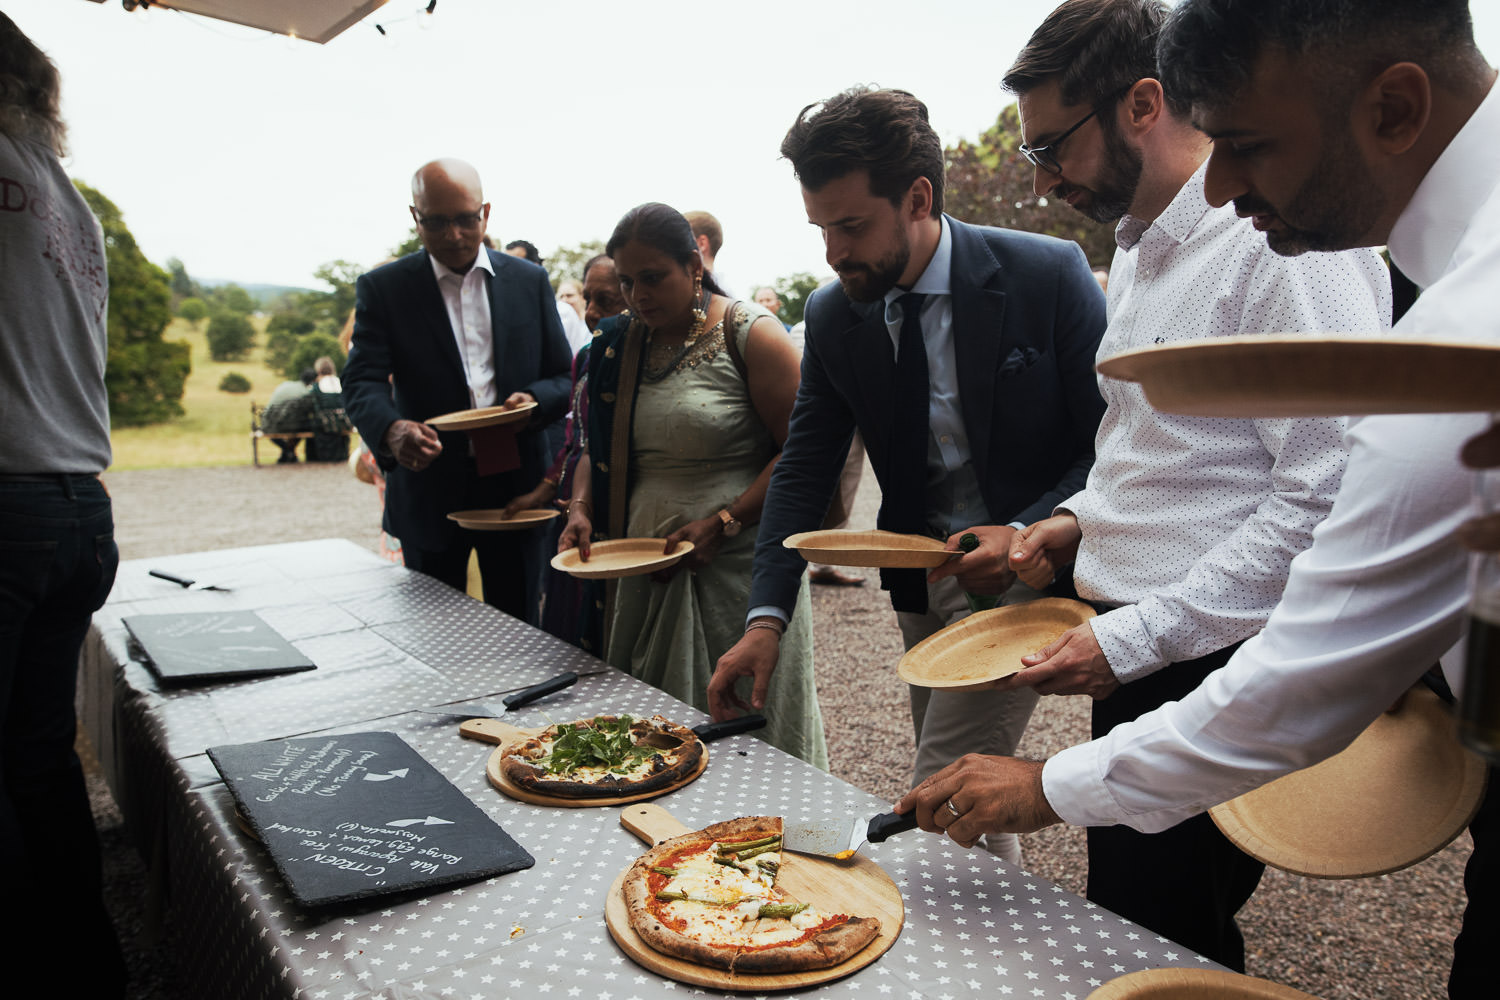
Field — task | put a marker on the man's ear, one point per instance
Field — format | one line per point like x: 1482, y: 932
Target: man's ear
x: 1396, y: 107
x: 920, y: 195
x: 1142, y: 105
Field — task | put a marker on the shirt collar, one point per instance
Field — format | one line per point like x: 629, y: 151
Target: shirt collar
x: 441, y: 271
x: 937, y: 279
x: 1181, y: 217
x: 1463, y: 176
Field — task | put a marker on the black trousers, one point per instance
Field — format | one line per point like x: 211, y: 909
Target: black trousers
x: 1185, y: 883
x: 57, y: 564
x: 1473, y: 973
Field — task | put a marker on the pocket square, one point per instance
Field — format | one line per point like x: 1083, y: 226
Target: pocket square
x: 1018, y: 360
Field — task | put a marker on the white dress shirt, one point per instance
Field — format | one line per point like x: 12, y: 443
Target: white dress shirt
x: 1381, y: 593
x: 1191, y: 523
x: 574, y: 328
x: 467, y: 298
x: 948, y: 450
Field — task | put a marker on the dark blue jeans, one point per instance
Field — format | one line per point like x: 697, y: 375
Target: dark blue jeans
x: 57, y: 564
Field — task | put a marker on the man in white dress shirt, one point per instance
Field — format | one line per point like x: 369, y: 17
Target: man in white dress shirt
x: 1187, y: 526
x: 1334, y: 124
x: 454, y: 326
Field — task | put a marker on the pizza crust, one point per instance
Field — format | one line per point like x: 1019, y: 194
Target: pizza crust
x: 669, y: 767
x: 828, y: 947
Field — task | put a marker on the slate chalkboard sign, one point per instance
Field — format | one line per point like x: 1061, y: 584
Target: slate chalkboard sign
x: 213, y: 645
x: 360, y: 815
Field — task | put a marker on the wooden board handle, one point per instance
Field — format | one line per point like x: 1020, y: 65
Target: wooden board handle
x: 651, y: 823
x: 490, y: 731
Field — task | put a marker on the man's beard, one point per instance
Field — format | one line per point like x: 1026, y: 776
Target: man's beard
x: 1112, y: 197
x: 1335, y: 208
x: 869, y: 282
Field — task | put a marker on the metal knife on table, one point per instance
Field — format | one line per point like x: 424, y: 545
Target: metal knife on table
x: 842, y: 838
x: 184, y: 582
x: 518, y: 699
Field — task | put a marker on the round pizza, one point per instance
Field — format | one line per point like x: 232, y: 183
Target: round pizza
x: 604, y: 757
x: 710, y: 897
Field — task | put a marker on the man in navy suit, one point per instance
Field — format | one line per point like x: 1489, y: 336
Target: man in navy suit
x: 452, y: 327
x: 989, y: 419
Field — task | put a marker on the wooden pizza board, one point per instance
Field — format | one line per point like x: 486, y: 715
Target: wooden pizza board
x: 858, y: 887
x: 504, y: 734
x: 1193, y: 984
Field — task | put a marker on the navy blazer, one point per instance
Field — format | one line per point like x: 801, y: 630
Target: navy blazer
x: 1027, y: 318
x: 401, y: 328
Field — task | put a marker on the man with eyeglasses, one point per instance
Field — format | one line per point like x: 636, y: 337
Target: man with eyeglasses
x: 452, y: 327
x: 1185, y: 532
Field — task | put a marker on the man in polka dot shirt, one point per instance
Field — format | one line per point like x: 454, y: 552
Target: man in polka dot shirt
x: 1186, y: 529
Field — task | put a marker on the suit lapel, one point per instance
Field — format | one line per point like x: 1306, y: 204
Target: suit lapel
x: 978, y: 335
x: 427, y: 303
x: 503, y: 289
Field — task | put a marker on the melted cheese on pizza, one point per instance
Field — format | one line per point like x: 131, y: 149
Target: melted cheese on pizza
x: 723, y: 901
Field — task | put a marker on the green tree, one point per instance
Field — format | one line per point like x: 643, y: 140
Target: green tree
x: 230, y: 335
x: 193, y: 309
x: 312, y: 347
x: 143, y: 374
x: 989, y: 183
x: 183, y: 286
x: 232, y: 298
x: 411, y: 244
x: 794, y: 289
x: 567, y: 262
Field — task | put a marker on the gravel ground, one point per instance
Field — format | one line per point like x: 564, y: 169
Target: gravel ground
x: 1387, y: 937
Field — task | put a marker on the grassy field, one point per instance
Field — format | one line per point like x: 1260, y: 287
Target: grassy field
x: 215, y: 429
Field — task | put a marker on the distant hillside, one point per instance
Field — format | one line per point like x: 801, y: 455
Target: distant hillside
x: 264, y: 295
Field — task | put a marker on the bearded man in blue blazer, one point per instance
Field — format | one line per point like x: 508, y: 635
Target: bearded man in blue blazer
x: 964, y: 356
x: 452, y: 327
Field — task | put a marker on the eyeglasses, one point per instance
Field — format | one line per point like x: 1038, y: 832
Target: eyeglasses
x: 440, y: 223
x: 1045, y: 157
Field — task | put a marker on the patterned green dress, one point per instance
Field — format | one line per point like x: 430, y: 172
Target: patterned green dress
x: 696, y: 445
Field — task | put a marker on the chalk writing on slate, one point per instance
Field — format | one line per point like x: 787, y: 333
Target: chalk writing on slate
x: 361, y: 814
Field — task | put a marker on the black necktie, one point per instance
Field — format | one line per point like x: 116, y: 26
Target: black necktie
x: 904, y: 507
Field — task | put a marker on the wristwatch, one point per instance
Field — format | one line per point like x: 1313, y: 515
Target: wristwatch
x: 732, y: 524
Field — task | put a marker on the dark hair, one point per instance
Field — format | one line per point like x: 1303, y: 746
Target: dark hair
x: 884, y: 132
x: 309, y: 376
x: 663, y: 229
x: 30, y: 102
x: 1095, y: 49
x: 1209, y: 48
x: 704, y: 224
x: 589, y: 266
x: 532, y: 253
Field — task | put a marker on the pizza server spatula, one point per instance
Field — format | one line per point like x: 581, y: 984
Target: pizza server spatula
x: 841, y: 838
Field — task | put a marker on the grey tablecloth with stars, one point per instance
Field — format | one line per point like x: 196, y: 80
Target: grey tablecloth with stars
x: 388, y: 641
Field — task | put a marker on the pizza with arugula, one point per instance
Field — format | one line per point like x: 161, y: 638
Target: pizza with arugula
x: 604, y: 757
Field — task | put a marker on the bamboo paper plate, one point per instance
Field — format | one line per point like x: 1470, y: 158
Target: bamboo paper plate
x: 1398, y: 794
x: 619, y: 557
x: 1194, y: 984
x: 1307, y: 375
x: 493, y: 520
x: 485, y: 416
x: 881, y: 549
x: 989, y: 645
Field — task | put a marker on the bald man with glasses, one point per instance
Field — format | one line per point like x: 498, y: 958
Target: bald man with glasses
x: 452, y: 327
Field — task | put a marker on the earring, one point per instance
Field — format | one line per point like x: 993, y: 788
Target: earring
x: 699, y: 311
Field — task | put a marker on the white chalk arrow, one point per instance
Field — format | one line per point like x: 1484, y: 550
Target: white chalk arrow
x: 429, y: 821
x: 399, y: 772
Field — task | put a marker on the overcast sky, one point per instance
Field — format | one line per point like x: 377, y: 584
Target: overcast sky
x: 256, y: 158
